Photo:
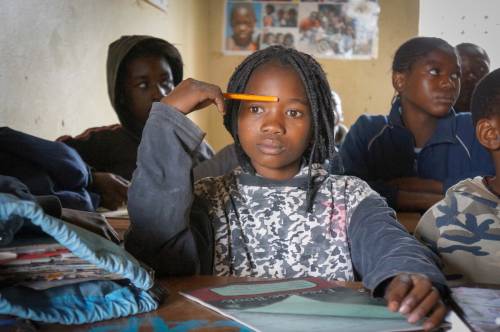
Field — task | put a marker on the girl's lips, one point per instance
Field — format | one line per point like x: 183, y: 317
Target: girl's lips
x: 270, y: 148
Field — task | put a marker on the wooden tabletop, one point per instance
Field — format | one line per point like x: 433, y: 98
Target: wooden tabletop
x: 176, y: 312
x: 409, y: 220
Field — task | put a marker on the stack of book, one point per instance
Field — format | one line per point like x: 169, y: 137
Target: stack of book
x: 40, y: 262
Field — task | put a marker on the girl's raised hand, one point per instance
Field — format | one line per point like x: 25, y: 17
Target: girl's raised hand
x: 191, y: 95
x: 414, y: 296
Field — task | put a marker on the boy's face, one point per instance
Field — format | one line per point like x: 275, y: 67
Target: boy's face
x: 275, y: 135
x: 431, y: 85
x: 243, y: 23
x: 474, y: 67
x: 147, y: 80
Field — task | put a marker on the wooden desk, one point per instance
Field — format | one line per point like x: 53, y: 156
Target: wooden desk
x: 409, y: 220
x: 176, y: 311
x: 120, y: 225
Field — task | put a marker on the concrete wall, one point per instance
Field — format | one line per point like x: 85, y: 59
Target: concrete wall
x: 459, y: 21
x: 52, y: 63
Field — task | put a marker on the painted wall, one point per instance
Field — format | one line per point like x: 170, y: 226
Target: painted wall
x: 460, y: 21
x: 364, y: 85
x: 53, y: 58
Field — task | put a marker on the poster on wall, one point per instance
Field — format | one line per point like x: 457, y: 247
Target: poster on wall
x: 335, y: 29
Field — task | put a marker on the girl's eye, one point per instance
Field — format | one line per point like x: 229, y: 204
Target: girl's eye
x: 256, y: 109
x: 434, y: 71
x: 294, y: 113
x: 142, y: 85
x: 455, y: 76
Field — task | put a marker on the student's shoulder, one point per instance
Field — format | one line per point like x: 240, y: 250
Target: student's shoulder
x: 472, y: 189
x: 216, y: 186
x: 369, y: 124
x: 464, y: 123
x: 351, y: 187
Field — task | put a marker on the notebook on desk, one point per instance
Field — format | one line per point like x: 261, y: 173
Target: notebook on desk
x: 305, y: 304
x: 478, y: 307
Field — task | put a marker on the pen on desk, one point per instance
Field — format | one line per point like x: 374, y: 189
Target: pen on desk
x: 242, y: 96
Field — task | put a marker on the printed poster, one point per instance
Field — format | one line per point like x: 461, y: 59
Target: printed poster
x: 335, y: 29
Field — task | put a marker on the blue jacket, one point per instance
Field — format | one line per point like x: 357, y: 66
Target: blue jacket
x: 46, y: 168
x: 82, y: 302
x: 379, y: 148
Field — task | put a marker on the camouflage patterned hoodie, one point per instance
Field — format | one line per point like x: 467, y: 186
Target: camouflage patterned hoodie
x: 464, y: 229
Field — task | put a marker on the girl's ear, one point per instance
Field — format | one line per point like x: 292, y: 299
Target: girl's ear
x: 488, y: 133
x: 398, y: 81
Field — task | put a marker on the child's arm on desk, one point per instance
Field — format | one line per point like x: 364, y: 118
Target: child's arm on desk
x: 383, y: 253
x: 416, y: 194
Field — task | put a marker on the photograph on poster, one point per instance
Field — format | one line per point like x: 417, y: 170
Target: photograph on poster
x: 243, y: 24
x: 341, y: 29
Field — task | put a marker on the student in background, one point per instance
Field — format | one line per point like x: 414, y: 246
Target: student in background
x: 270, y: 18
x: 475, y: 64
x: 420, y: 149
x: 242, y: 22
x: 140, y: 71
x: 280, y: 213
x: 464, y: 228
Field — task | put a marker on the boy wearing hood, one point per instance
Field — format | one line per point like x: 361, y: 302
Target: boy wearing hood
x: 140, y: 71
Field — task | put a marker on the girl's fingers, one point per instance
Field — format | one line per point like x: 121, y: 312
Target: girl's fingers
x: 191, y: 95
x: 437, y: 316
x: 397, y: 290
x: 213, y: 96
x: 424, y: 306
x: 421, y: 288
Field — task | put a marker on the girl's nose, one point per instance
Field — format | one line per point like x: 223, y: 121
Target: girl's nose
x: 273, y: 124
x: 448, y: 82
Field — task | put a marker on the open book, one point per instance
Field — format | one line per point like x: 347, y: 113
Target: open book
x: 306, y: 304
x: 480, y: 307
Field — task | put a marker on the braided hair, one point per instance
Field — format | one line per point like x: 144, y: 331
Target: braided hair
x: 321, y: 104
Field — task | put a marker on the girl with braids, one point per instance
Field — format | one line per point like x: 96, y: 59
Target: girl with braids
x: 415, y: 153
x: 279, y: 214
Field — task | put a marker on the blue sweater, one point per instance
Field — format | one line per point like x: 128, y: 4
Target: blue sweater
x: 46, y: 168
x: 379, y: 148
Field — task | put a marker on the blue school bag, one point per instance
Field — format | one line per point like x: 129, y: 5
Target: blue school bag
x: 84, y: 302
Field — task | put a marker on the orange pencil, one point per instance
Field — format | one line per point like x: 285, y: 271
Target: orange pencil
x: 242, y: 96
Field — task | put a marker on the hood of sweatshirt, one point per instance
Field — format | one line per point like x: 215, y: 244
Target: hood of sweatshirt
x: 117, y: 52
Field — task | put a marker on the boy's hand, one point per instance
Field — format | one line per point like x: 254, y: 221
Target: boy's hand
x: 191, y: 95
x: 112, y: 188
x: 414, y: 296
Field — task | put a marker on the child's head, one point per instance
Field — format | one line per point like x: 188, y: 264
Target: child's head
x: 243, y: 23
x: 426, y: 75
x: 268, y: 38
x: 288, y: 40
x: 269, y: 9
x: 274, y: 138
x: 141, y: 70
x: 475, y: 64
x: 485, y: 109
